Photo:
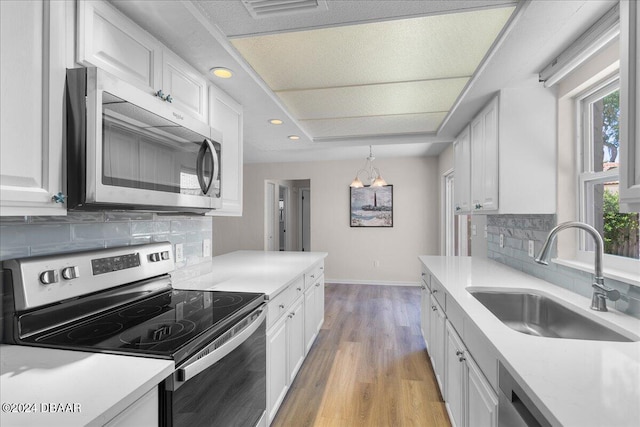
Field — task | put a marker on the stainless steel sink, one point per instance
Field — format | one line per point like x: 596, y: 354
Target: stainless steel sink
x: 536, y: 314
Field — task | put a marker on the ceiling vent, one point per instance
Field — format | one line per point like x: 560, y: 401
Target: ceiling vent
x: 271, y: 8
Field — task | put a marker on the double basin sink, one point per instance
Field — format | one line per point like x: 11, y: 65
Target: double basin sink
x: 532, y: 313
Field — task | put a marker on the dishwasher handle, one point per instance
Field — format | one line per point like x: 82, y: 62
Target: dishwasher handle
x: 221, y: 347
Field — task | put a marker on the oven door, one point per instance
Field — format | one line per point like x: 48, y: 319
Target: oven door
x: 225, y: 383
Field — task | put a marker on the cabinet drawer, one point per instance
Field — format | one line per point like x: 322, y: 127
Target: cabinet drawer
x: 278, y: 305
x: 438, y: 292
x: 312, y: 276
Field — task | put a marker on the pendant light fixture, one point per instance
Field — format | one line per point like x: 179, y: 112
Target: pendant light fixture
x: 372, y: 175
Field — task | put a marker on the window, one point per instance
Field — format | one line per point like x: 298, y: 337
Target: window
x: 599, y: 176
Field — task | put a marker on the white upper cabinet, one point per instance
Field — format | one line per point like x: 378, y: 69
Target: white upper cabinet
x: 484, y: 155
x: 226, y: 116
x: 462, y: 167
x: 109, y: 40
x: 513, y: 154
x: 629, y: 107
x: 187, y: 88
x: 32, y: 56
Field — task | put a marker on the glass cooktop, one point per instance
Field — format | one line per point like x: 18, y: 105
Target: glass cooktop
x: 164, y: 325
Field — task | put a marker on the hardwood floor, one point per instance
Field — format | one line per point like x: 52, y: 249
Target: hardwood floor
x: 368, y: 366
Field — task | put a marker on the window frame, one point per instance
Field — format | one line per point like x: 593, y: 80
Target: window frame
x: 586, y: 175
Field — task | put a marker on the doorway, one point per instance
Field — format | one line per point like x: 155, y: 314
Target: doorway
x: 287, y: 207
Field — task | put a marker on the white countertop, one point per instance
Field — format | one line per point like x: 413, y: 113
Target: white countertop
x: 93, y: 387
x: 573, y: 382
x: 267, y: 272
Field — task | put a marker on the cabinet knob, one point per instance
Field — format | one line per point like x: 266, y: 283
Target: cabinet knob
x: 423, y: 274
x: 299, y: 289
x: 458, y: 208
x: 313, y: 276
x: 435, y: 291
x: 281, y: 306
x: 317, y: 285
x: 461, y: 359
x: 58, y: 198
x: 160, y: 94
x: 433, y: 308
x: 459, y: 353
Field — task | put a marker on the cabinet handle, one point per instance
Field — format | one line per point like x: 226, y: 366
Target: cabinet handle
x: 458, y: 208
x: 435, y: 291
x: 461, y: 359
x: 58, y: 198
x: 433, y: 308
x: 478, y: 206
x: 160, y: 94
x: 459, y: 353
x: 313, y: 276
x: 423, y: 274
x: 281, y: 306
x: 299, y: 289
x: 291, y: 316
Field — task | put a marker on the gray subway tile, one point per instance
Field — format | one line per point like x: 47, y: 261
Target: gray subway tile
x: 142, y: 228
x: 10, y: 253
x: 128, y: 216
x: 104, y: 231
x: 66, y: 247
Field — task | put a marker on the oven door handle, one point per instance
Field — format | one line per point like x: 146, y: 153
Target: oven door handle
x: 192, y: 369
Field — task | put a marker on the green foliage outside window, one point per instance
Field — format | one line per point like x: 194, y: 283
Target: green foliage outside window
x: 620, y: 229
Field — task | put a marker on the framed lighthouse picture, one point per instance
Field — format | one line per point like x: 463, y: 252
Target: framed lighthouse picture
x: 372, y: 206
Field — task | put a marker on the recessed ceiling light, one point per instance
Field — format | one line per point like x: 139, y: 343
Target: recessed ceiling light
x: 276, y: 121
x: 223, y: 73
x: 294, y: 137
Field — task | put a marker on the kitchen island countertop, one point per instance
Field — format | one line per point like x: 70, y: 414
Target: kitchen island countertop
x: 573, y: 382
x: 267, y: 272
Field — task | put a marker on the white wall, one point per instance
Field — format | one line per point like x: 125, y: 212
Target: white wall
x: 352, y: 251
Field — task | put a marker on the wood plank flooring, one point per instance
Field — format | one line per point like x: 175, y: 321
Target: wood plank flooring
x: 368, y: 366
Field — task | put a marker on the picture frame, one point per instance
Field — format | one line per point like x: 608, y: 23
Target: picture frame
x: 371, y: 206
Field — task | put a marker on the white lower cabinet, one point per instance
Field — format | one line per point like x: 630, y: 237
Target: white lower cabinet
x: 277, y: 377
x: 293, y: 321
x: 469, y: 398
x: 455, y: 377
x: 143, y: 412
x: 295, y: 338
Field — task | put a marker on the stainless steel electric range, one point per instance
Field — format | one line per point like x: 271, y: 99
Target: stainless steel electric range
x: 121, y: 301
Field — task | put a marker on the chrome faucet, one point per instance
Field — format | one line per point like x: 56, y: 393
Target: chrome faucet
x: 600, y: 291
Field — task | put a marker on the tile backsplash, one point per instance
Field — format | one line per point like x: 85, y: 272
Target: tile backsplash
x: 32, y: 236
x: 517, y: 230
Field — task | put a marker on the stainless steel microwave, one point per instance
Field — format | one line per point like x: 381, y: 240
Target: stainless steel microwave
x: 127, y: 149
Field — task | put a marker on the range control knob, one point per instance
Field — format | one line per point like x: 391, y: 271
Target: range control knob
x: 165, y: 254
x: 70, y: 273
x: 155, y: 257
x: 48, y: 277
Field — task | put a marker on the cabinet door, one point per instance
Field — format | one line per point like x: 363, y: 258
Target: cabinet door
x: 319, y: 303
x: 277, y: 375
x: 226, y: 116
x: 629, y: 107
x: 32, y: 78
x: 425, y: 310
x: 295, y: 337
x: 482, y: 402
x: 109, y: 40
x: 484, y: 159
x: 143, y: 412
x: 455, y: 376
x: 310, y: 316
x: 187, y: 88
x: 437, y: 320
x: 462, y: 168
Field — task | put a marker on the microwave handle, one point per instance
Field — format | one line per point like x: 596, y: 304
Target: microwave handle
x: 216, y: 163
x: 206, y: 146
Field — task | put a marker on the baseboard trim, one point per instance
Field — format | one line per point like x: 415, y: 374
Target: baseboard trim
x: 370, y: 282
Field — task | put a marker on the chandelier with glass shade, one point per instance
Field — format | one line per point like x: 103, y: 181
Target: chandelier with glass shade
x: 370, y: 174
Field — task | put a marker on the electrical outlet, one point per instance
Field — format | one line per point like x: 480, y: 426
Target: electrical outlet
x: 179, y: 252
x: 206, y: 247
x: 502, y: 240
x: 531, y: 249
